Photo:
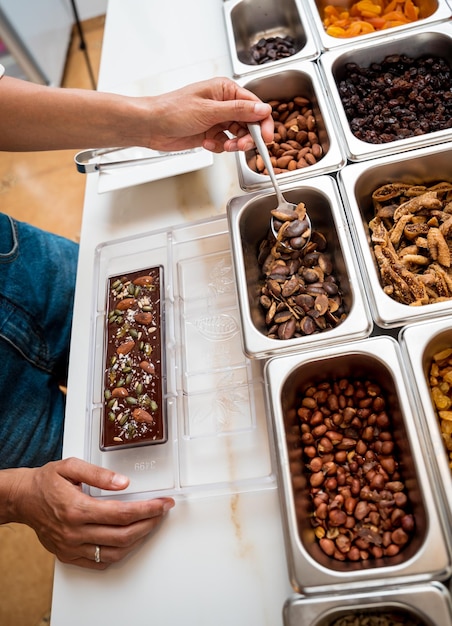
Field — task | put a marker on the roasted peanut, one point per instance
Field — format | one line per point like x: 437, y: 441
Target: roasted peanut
x: 327, y: 546
x: 361, y: 508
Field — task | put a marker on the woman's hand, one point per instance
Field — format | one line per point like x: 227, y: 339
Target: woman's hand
x: 71, y: 524
x: 212, y: 113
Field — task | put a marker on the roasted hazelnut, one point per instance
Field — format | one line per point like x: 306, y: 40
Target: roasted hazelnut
x: 358, y: 494
x: 337, y: 517
x: 316, y: 464
x: 316, y: 479
x: 361, y: 510
x: 327, y: 546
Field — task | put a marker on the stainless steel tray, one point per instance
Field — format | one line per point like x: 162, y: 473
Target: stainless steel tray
x: 247, y: 21
x: 286, y: 82
x: 435, y: 40
x: 249, y: 219
x: 431, y: 11
x: 430, y: 602
x: 357, y: 182
x: 310, y: 570
x: 419, y: 343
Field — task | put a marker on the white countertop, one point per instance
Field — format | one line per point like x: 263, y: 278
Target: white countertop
x: 215, y: 560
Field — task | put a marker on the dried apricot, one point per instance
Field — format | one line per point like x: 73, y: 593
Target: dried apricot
x: 367, y: 16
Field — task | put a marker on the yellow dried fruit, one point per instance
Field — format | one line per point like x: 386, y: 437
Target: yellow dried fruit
x: 447, y: 416
x: 441, y: 401
x: 444, y: 354
x: 441, y: 392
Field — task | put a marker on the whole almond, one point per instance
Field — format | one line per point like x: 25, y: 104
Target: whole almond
x: 120, y: 392
x: 127, y: 303
x: 282, y: 131
x: 283, y: 161
x: 302, y: 137
x: 144, y: 318
x: 140, y: 415
x: 316, y: 149
x: 147, y: 367
x: 302, y: 123
x: 301, y: 101
x: 285, y: 146
x: 143, y: 281
x: 259, y: 163
x: 125, y: 347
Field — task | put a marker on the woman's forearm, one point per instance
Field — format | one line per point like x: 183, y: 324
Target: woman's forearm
x: 36, y: 117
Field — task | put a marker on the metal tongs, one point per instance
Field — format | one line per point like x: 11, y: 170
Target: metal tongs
x: 89, y: 161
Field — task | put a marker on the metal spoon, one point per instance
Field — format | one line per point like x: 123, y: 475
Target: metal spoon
x: 294, y: 231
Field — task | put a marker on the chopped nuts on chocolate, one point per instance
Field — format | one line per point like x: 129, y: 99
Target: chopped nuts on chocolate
x: 133, y: 397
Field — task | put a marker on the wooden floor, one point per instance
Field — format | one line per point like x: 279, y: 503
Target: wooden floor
x: 46, y: 190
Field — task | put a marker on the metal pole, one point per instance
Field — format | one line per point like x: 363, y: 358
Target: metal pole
x: 83, y: 44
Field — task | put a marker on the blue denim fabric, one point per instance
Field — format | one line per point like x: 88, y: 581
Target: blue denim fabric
x: 37, y: 280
